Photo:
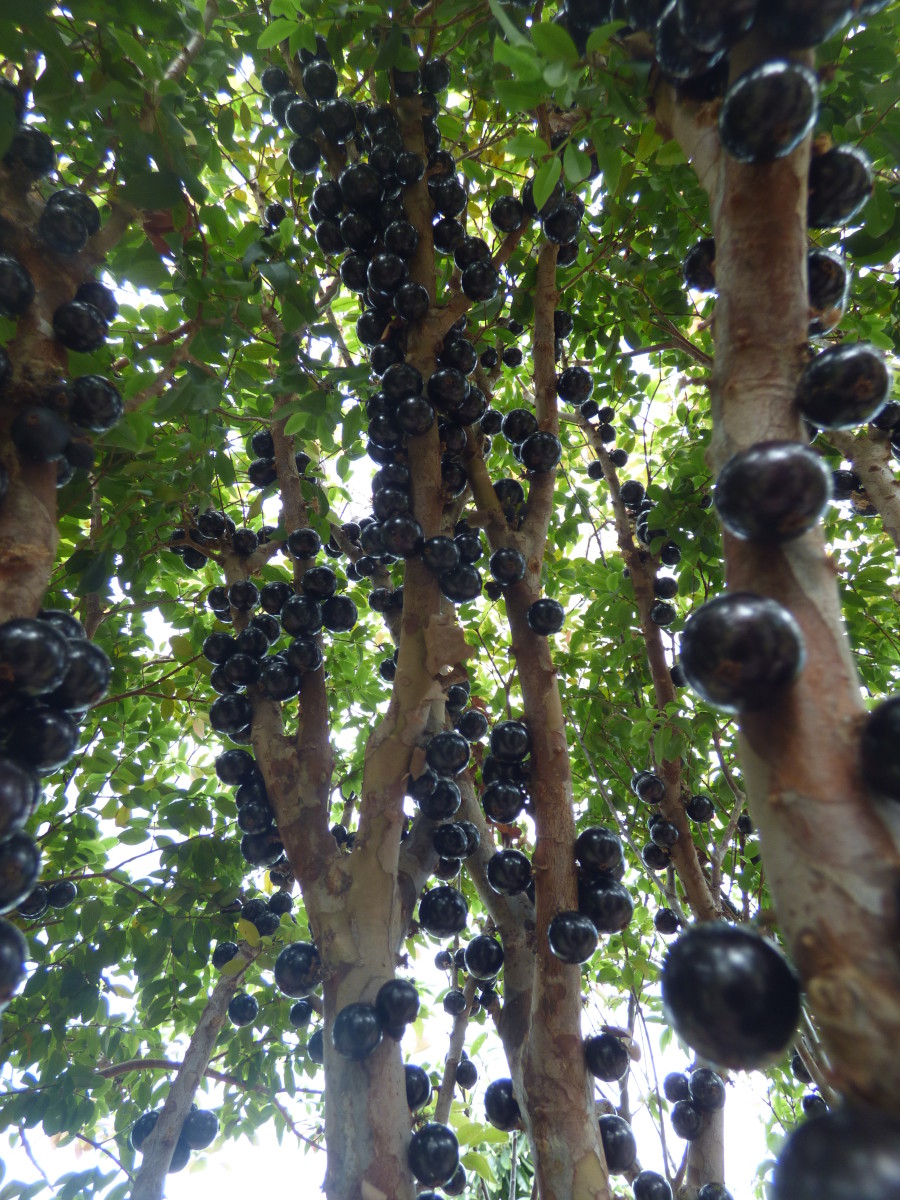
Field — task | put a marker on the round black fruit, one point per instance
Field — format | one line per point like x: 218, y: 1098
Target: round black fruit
x: 44, y: 739
x: 300, y: 1014
x: 730, y: 995
x: 619, y: 1146
x: 397, y: 1004
x: 880, y: 748
x: 297, y: 968
x: 142, y: 1128
x: 34, y: 657
x: 13, y: 953
x: 94, y: 403
x: 606, y: 1057
x: 572, y: 936
x: 448, y: 753
x: 599, y: 849
x: 675, y: 1087
x: 840, y: 183
x: 356, y: 1031
x: 707, y: 1089
x: 545, y: 617
x: 16, y: 287
x: 242, y: 1009
x: 844, y: 386
x: 466, y: 1074
x: 223, y: 953
x: 768, y: 111
x: 574, y: 385
x: 484, y: 957
x: 509, y: 872
x: 648, y: 1185
x: 687, y: 1120
x: 315, y: 1047
x: 86, y: 680
x: 500, y: 1105
x: 433, y: 1154
x: 80, y: 327
x: 739, y: 651
x: 849, y: 1154
x: 418, y: 1087
x: 502, y: 801
x: 607, y: 902
x: 200, y: 1128
x: 443, y: 912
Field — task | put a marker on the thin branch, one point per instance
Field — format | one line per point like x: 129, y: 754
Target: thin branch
x: 109, y: 1154
x: 179, y: 65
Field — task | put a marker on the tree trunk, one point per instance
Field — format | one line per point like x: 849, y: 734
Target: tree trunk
x: 830, y: 861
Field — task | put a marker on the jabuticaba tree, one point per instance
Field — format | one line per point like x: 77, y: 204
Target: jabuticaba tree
x: 598, y: 299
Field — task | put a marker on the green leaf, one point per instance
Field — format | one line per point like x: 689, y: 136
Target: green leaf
x: 576, y: 164
x: 521, y: 61
x: 151, y: 190
x: 473, y: 1160
x: 554, y: 43
x: 599, y: 37
x: 279, y: 31
x: 546, y: 178
x: 514, y: 36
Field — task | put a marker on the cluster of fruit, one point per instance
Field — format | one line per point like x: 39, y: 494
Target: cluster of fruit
x: 50, y: 674
x: 57, y: 423
x: 198, y: 1131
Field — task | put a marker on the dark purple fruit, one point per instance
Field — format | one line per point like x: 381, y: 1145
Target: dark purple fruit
x: 39, y: 434
x: 768, y: 111
x: 606, y: 1057
x: 142, y: 1128
x: 679, y: 58
x: 80, y: 327
x: 607, y: 902
x: 356, y: 1031
x: 13, y: 953
x: 442, y: 801
x: 572, y: 936
x: 62, y: 230
x: 510, y: 741
x: 274, y: 80
x: 648, y: 1185
x: 700, y: 808
x: 466, y: 1077
x: 235, y: 766
x: 802, y: 24
x: 300, y: 1014
x: 480, y: 282
x: 848, y: 1154
x: 35, y: 904
x: 297, y: 968
x: 502, y: 801
x: 223, y: 953
x: 32, y: 150
x: 500, y: 1105
x: 433, y: 1154
x: 574, y: 385
x: 396, y: 1004
x: 773, y: 492
x: 230, y: 714
x: 714, y: 1191
x: 315, y: 1047
x: 739, y: 651
x: 449, y: 840
x: 619, y: 1146
x: 19, y: 791
x: 599, y: 849
x: 840, y: 183
x: 484, y: 957
x: 714, y: 26
x: 675, y: 1087
x: 242, y: 1009
x: 844, y: 386
x: 443, y: 911
x: 545, y: 617
x: 666, y: 922
x: 86, y: 680
x: 43, y: 739
x: 16, y: 287
x: 472, y: 724
x: 649, y: 787
x: 34, y: 657
x: 540, y: 452
x: 880, y: 748
x: 200, y: 1128
x: 730, y: 995
x: 418, y: 1087
x: 94, y: 403
x: 687, y: 1120
x: 448, y: 753
x: 707, y: 1089
x: 20, y: 865
x: 320, y: 80
x: 700, y: 266
x: 455, y: 1003
x: 828, y: 282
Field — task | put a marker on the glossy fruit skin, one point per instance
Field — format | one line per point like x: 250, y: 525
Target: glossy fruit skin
x: 95, y: 403
x: 574, y: 385
x: 442, y: 801
x: 648, y: 1185
x: 142, y: 1128
x: 572, y: 936
x: 679, y: 58
x: 880, y: 748
x: 31, y: 149
x: 44, y: 739
x: 840, y: 183
x: 707, y: 1089
x: 675, y: 1087
x: 396, y: 1004
x: 472, y: 724
x: 687, y: 1120
x: 242, y: 1009
x: 448, y: 753
x: 39, y: 434
x: 800, y: 26
x: 700, y: 808
x: 433, y: 1154
x: 86, y: 680
x: 768, y: 111
x: 35, y: 904
x: 223, y: 953
x: 713, y: 26
x: 509, y: 872
x: 619, y: 1146
x: 484, y: 957
x: 13, y: 953
x: 443, y: 911
x: 297, y: 968
x: 545, y: 617
x: 829, y: 283
x: 844, y: 386
x: 16, y: 287
x: 666, y: 921
x: 500, y: 1105
x: 730, y: 995
x: 200, y: 1128
x: 540, y: 452
x: 34, y: 657
x: 80, y: 326
x: 315, y: 1047
x: 607, y: 902
x: 300, y: 1014
x: 599, y: 849
x: 454, y: 1003
x: 739, y: 651
x: 700, y: 266
x: 62, y: 893
x: 510, y: 741
x: 606, y: 1057
x: 418, y: 1087
x: 773, y: 492
x: 848, y: 1154
x: 502, y: 801
x: 356, y: 1031
x: 714, y: 1191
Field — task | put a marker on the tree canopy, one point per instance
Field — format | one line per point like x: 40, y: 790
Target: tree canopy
x: 546, y: 272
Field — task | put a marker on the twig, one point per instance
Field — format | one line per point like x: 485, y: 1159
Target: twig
x: 179, y: 65
x: 109, y: 1154
x: 30, y: 1153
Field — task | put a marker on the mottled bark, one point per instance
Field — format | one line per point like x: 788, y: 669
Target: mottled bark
x: 830, y: 861
x: 869, y: 450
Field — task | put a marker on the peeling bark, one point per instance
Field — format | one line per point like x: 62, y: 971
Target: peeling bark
x: 869, y: 450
